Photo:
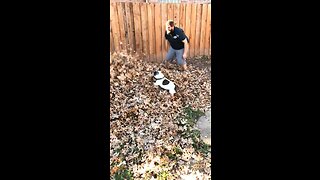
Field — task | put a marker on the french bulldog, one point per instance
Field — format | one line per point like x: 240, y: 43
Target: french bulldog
x: 164, y: 83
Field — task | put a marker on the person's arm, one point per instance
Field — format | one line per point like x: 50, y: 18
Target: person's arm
x: 186, y: 48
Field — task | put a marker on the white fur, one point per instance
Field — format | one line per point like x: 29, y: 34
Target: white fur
x: 171, y: 86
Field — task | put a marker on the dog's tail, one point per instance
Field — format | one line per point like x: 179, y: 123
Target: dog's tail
x: 172, y: 91
x: 176, y: 88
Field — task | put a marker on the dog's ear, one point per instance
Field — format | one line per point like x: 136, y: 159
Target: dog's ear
x: 156, y: 73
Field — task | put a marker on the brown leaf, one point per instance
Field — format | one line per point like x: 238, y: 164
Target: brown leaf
x: 121, y: 77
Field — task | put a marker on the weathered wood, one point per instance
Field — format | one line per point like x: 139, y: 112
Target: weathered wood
x: 140, y: 27
x: 137, y: 26
x: 111, y: 40
x: 151, y: 31
x: 208, y: 31
x: 203, y: 29
x: 198, y: 29
x: 164, y: 17
x: 187, y: 27
x: 193, y: 30
x: 182, y: 16
x: 145, y: 30
x: 115, y: 26
x: 158, y: 44
x: 176, y: 14
x: 122, y: 32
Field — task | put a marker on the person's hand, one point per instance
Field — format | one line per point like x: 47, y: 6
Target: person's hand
x: 184, y: 56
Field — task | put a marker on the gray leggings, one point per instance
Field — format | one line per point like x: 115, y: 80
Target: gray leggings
x: 172, y: 53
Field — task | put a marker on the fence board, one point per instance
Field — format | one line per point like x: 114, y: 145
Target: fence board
x: 170, y: 17
x: 203, y: 28
x: 133, y: 39
x: 182, y: 15
x: 187, y: 27
x: 157, y: 12
x: 210, y: 46
x: 115, y: 25
x: 208, y: 31
x: 122, y: 37
x: 170, y: 11
x: 145, y: 29
x: 176, y: 14
x: 151, y: 31
x: 129, y: 27
x: 164, y: 17
x: 198, y: 29
x: 111, y: 40
x: 137, y: 26
x: 193, y: 30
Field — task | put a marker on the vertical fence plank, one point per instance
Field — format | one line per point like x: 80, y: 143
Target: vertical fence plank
x: 124, y: 25
x: 122, y: 37
x: 208, y: 31
x: 203, y: 29
x: 176, y: 7
x: 151, y: 31
x: 129, y: 27
x: 145, y: 30
x: 137, y: 26
x: 164, y: 17
x: 170, y: 11
x: 115, y: 25
x: 133, y: 39
x: 210, y: 46
x: 198, y: 29
x: 157, y: 14
x: 187, y: 27
x: 111, y: 40
x: 182, y: 15
x: 193, y: 30
x: 128, y: 32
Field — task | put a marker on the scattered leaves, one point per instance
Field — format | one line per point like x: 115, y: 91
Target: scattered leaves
x: 149, y: 129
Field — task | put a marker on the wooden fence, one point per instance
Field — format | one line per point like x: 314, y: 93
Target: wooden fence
x: 140, y: 27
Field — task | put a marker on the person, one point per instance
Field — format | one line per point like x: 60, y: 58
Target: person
x: 179, y: 45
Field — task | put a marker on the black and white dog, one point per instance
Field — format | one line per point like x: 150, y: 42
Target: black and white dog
x: 164, y: 82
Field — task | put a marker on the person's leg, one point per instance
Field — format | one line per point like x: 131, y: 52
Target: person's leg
x: 182, y: 62
x: 170, y: 55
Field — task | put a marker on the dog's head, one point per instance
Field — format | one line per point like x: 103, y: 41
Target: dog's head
x: 158, y: 75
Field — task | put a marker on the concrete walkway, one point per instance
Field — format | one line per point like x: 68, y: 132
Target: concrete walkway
x: 204, y: 125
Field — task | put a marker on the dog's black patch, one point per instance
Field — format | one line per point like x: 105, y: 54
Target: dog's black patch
x: 155, y: 73
x: 165, y: 82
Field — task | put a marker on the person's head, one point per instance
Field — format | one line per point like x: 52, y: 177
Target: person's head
x: 170, y: 25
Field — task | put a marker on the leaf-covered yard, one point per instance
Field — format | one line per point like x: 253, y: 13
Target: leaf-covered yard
x: 153, y: 134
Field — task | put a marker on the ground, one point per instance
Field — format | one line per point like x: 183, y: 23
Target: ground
x: 204, y: 122
x: 202, y: 62
x: 154, y: 135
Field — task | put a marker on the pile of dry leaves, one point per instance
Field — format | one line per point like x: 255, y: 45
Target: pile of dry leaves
x: 145, y: 125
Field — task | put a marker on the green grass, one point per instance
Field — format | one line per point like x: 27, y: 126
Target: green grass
x: 192, y: 115
x: 171, y: 156
x: 123, y: 174
x: 191, y: 118
x: 163, y: 175
x: 177, y: 150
